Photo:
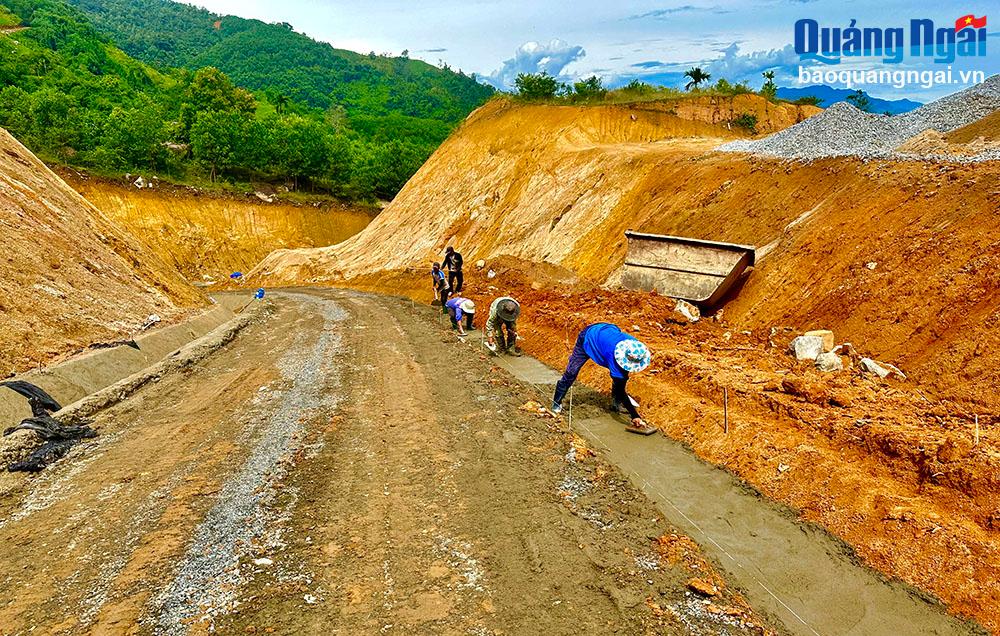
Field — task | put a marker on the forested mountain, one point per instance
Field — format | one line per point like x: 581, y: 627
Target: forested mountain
x: 262, y: 56
x: 72, y: 96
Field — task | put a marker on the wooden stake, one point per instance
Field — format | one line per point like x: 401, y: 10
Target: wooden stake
x: 725, y: 410
x: 977, y: 431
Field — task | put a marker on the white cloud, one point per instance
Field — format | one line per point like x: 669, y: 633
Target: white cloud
x: 736, y: 67
x: 532, y: 57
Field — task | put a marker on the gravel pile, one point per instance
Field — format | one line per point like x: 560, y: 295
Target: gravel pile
x: 843, y: 130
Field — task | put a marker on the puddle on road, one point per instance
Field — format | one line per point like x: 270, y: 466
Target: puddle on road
x: 794, y: 571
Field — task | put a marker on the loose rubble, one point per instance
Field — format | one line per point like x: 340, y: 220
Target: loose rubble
x: 806, y: 347
x: 843, y: 130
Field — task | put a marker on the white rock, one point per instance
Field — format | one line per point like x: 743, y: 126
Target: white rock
x: 491, y: 274
x: 867, y: 365
x: 689, y: 311
x: 806, y: 347
x: 871, y: 265
x: 829, y: 362
x: 263, y: 561
x: 480, y: 264
x: 881, y: 369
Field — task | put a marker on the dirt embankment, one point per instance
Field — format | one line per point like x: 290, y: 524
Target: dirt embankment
x: 890, y: 255
x: 534, y: 182
x: 208, y: 236
x: 69, y: 276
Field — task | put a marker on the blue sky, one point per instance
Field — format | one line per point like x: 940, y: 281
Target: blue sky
x: 654, y: 41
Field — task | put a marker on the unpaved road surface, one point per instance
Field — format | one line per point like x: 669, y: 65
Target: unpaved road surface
x: 346, y: 466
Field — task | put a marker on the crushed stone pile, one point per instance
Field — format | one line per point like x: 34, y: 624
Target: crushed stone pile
x: 843, y: 130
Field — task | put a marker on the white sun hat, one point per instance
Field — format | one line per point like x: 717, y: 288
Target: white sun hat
x: 632, y: 355
x: 467, y: 307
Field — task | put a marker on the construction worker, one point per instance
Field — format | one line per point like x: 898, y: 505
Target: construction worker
x: 503, y: 315
x: 440, y: 286
x: 619, y: 353
x: 459, y: 308
x: 453, y: 262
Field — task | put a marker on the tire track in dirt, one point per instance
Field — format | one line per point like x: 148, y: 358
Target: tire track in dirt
x: 93, y: 539
x: 326, y: 474
x: 207, y: 580
x: 437, y: 506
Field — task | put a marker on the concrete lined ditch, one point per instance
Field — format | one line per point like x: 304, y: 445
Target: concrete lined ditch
x: 94, y: 370
x: 794, y: 571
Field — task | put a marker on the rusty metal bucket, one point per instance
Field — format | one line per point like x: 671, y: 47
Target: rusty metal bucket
x: 698, y: 271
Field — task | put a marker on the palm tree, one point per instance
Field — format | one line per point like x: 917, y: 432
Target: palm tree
x: 281, y: 102
x: 697, y: 76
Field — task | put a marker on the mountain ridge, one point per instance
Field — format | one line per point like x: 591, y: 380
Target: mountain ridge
x: 830, y: 96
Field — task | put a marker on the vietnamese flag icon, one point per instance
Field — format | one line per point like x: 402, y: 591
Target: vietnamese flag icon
x: 970, y: 21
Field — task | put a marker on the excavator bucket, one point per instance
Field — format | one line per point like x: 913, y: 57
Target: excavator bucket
x: 697, y: 271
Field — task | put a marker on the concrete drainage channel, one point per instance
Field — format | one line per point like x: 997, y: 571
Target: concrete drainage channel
x: 794, y: 571
x: 100, y: 377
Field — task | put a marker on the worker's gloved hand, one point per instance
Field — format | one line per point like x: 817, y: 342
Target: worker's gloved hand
x: 491, y: 346
x: 639, y: 422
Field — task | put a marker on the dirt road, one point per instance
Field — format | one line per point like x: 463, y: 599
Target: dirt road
x: 346, y: 466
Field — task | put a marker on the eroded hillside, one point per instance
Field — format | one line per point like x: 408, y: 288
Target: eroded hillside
x: 69, y: 276
x: 560, y: 185
x: 207, y: 237
x: 891, y: 255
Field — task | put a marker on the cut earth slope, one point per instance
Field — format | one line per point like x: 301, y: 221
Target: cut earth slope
x: 69, y: 276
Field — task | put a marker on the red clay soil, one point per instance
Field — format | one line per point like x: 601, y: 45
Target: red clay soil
x: 894, y: 257
x: 891, y: 255
x: 877, y: 462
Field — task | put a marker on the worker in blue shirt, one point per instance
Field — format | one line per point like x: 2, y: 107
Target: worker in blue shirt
x: 459, y: 308
x: 616, y: 351
x: 439, y: 284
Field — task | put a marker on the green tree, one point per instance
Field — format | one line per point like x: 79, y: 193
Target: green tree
x: 769, y: 90
x: 212, y: 91
x: 215, y: 139
x: 697, y: 76
x: 303, y: 148
x: 590, y: 89
x: 536, y: 86
x: 281, y: 102
x: 808, y: 100
x: 860, y: 100
x: 135, y: 137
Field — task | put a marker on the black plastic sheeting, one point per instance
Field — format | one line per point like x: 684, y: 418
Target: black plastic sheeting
x: 30, y: 391
x: 58, y: 437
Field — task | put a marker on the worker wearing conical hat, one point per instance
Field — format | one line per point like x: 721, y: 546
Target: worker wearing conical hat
x: 619, y: 353
x: 459, y: 308
x: 503, y: 316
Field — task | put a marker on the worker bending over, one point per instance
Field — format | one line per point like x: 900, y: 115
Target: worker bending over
x: 619, y: 353
x: 440, y: 286
x: 503, y: 316
x: 459, y: 308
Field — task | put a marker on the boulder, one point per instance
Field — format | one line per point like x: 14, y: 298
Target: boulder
x: 826, y: 335
x: 690, y: 312
x: 702, y: 587
x: 806, y: 347
x: 829, y: 362
x: 881, y: 369
x: 867, y: 365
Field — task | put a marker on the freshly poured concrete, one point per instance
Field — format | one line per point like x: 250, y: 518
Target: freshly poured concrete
x: 794, y: 571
